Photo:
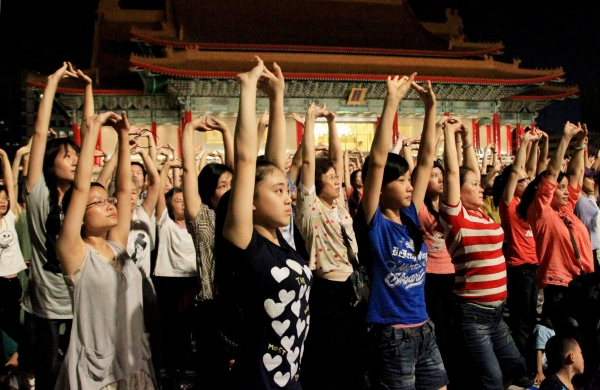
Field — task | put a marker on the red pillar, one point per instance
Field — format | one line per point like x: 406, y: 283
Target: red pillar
x: 98, y: 160
x: 153, y: 130
x: 509, y: 133
x: 188, y: 116
x: 299, y: 132
x: 518, y: 130
x: 496, y: 132
x: 475, y: 127
x: 76, y: 134
x: 488, y: 129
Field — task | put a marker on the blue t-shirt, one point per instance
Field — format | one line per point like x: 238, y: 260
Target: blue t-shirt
x: 397, y: 275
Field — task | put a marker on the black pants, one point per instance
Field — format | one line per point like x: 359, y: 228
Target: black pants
x: 440, y: 307
x: 176, y: 301
x: 551, y: 308
x: 336, y: 345
x: 522, y: 304
x: 10, y: 308
x: 42, y: 349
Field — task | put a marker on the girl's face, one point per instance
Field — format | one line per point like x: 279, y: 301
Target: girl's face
x: 99, y: 217
x: 223, y: 185
x: 436, y: 182
x: 471, y: 193
x: 522, y: 183
x: 65, y: 164
x: 331, y: 185
x: 4, y: 202
x: 588, y: 185
x: 178, y: 206
x: 358, y: 183
x: 561, y: 194
x: 272, y: 204
x: 397, y: 194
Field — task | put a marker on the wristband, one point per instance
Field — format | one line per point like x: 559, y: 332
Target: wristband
x: 578, y: 147
x: 466, y: 146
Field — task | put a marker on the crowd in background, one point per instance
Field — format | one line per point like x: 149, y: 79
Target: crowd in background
x: 316, y: 269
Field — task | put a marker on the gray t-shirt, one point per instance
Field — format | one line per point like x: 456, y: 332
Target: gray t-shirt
x: 47, y: 295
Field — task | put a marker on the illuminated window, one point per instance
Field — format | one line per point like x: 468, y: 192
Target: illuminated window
x: 352, y: 135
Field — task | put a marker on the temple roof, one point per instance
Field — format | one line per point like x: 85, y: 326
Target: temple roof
x: 547, y: 92
x: 193, y: 63
x: 292, y: 25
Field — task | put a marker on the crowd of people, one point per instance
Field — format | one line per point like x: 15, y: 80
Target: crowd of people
x: 315, y: 271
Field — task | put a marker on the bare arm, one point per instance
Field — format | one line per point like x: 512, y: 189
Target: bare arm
x: 10, y: 183
x: 576, y: 165
x: 239, y: 223
x: 149, y: 203
x: 451, y: 194
x: 469, y: 156
x: 485, y: 160
x: 596, y: 163
x: 70, y: 247
x: 513, y: 179
x: 494, y: 155
x: 532, y: 158
x: 22, y: 151
x: 396, y: 89
x: 42, y: 122
x: 109, y: 168
x: 543, y: 158
x: 307, y: 174
x: 263, y: 123
x: 407, y: 153
x: 336, y: 155
x: 191, y: 197
x: 296, y: 164
x: 161, y: 204
x: 88, y: 97
x: 220, y: 126
x: 273, y: 84
x: 426, y: 153
x: 555, y: 164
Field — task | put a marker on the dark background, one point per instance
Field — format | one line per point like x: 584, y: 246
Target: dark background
x: 38, y: 36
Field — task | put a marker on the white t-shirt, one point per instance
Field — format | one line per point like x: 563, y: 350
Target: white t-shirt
x: 140, y: 243
x: 11, y: 258
x: 176, y: 255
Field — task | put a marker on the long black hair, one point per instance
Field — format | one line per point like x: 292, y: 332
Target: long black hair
x: 3, y: 188
x: 397, y: 166
x: 208, y: 179
x: 322, y: 166
x: 530, y: 192
x: 53, y: 222
x: 427, y: 200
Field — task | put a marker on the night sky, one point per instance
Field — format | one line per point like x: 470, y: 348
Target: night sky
x: 38, y: 36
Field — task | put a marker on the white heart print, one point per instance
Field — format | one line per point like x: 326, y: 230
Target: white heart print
x: 271, y: 363
x: 281, y: 379
x: 302, y: 291
x: 273, y: 309
x: 294, y: 265
x: 280, y: 327
x: 301, y: 352
x: 280, y: 273
x: 308, y: 272
x: 300, y: 325
x: 294, y: 369
x: 295, y: 308
x: 287, y: 296
x: 307, y: 293
x: 293, y: 355
x: 288, y: 342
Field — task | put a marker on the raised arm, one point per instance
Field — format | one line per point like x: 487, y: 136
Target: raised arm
x: 532, y: 157
x: 220, y: 126
x: 153, y: 190
x: 191, y: 197
x: 161, y: 204
x: 451, y: 194
x: 396, y: 89
x: 469, y: 156
x: 336, y: 155
x: 263, y: 123
x: 576, y: 165
x: 296, y: 164
x: 70, y: 247
x: 239, y: 222
x: 543, y: 158
x: 42, y: 122
x: 555, y: 164
x: 513, y: 179
x: 485, y: 160
x: 10, y: 183
x: 307, y: 174
x: 120, y: 233
x: 88, y: 96
x: 273, y: 85
x: 22, y: 151
x: 109, y: 168
x: 426, y: 153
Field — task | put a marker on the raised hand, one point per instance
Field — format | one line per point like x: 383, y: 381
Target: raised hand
x: 398, y: 86
x: 52, y: 133
x: 271, y: 82
x: 329, y: 115
x: 298, y: 118
x: 198, y: 149
x: 582, y: 134
x: 253, y: 75
x: 215, y: 124
x: 455, y: 125
x: 264, y: 119
x: 63, y: 72
x: 83, y: 77
x: 315, y: 111
x: 425, y: 94
x: 570, y: 130
x: 530, y: 136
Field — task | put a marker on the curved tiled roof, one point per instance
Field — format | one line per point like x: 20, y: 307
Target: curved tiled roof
x: 547, y: 92
x: 227, y: 64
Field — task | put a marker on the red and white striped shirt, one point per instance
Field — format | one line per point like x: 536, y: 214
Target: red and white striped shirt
x: 475, y: 243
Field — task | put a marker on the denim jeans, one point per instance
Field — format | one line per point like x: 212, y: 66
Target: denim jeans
x: 522, y: 304
x: 406, y: 359
x: 491, y: 355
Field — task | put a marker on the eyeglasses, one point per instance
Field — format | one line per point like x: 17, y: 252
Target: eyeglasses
x: 4, y: 199
x: 525, y: 180
x: 332, y: 177
x: 102, y: 202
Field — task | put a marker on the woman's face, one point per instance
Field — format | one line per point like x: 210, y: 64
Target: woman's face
x: 397, y: 194
x: 178, y: 206
x: 522, y: 183
x: 358, y: 183
x: 588, y: 185
x: 99, y: 217
x: 561, y: 194
x: 223, y: 185
x: 272, y: 203
x: 471, y: 193
x: 65, y: 163
x: 436, y: 182
x: 331, y: 186
x: 4, y: 202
